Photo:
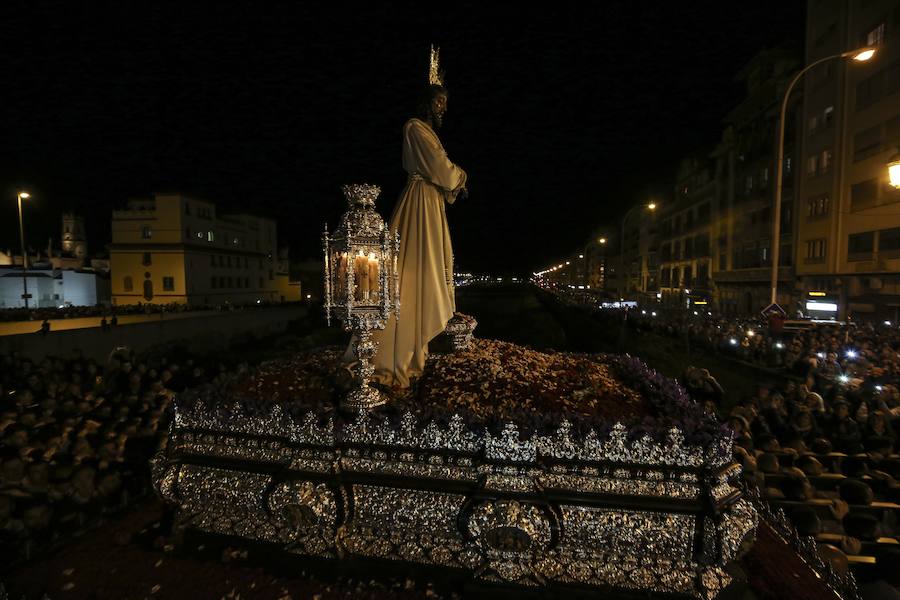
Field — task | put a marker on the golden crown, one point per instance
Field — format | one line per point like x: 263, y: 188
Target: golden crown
x: 435, y: 75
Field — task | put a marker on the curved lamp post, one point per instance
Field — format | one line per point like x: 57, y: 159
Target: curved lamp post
x: 20, y: 197
x: 858, y: 55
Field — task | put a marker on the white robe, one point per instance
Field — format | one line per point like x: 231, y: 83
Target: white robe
x: 425, y: 262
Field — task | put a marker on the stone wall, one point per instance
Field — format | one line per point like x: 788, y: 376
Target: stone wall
x: 199, y: 333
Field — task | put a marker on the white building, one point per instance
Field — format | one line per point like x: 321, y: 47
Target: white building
x: 51, y: 288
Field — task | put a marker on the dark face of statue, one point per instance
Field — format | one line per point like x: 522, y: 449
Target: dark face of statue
x: 437, y: 108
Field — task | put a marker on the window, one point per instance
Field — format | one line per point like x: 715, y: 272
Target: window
x: 815, y: 250
x: 665, y: 277
x: 812, y: 165
x: 876, y: 36
x: 764, y: 177
x: 866, y: 143
x: 187, y: 208
x: 787, y: 165
x: 213, y: 282
x: 824, y: 161
x: 147, y: 259
x: 212, y: 260
x: 892, y: 131
x: 210, y: 236
x: 230, y: 284
x: 688, y: 276
x: 128, y: 284
x: 889, y: 241
x: 187, y: 232
x: 246, y: 282
x: 168, y: 284
x: 261, y: 283
x: 676, y: 277
x: 863, y: 194
x: 146, y: 232
x: 860, y: 245
x: 271, y: 275
x: 870, y: 90
x: 228, y: 261
x: 828, y: 115
x: 817, y: 206
x: 222, y: 282
x: 813, y: 123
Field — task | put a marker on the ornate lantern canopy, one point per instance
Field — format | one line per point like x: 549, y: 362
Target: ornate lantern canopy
x: 361, y: 282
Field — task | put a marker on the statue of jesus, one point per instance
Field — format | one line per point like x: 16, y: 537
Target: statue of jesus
x: 425, y: 261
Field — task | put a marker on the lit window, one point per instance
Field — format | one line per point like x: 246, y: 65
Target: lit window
x: 169, y: 284
x: 210, y: 236
x: 876, y: 36
x: 828, y: 115
x: 146, y: 232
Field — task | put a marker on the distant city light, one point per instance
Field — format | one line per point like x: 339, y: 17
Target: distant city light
x: 653, y: 314
x: 581, y: 256
x: 779, y: 345
x: 820, y: 354
x: 733, y: 342
x: 879, y: 388
x: 851, y: 354
x: 258, y: 301
x: 888, y: 323
x: 844, y: 378
x: 695, y: 312
x: 643, y: 312
x: 750, y: 333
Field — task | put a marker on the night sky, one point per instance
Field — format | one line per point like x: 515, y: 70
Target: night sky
x: 562, y: 115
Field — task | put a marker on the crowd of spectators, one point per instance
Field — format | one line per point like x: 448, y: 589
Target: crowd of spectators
x: 821, y: 443
x: 76, y: 437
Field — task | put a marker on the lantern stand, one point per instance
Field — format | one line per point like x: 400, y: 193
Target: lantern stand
x: 361, y: 284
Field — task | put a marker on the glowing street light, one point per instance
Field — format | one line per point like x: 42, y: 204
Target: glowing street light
x: 851, y: 354
x: 894, y: 171
x: 23, y: 195
x: 858, y: 55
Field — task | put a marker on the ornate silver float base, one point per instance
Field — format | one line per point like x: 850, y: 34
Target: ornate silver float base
x: 604, y: 514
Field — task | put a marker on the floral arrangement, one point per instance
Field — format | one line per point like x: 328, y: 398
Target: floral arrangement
x: 490, y: 384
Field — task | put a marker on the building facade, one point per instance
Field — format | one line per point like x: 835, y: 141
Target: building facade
x: 685, y: 234
x: 745, y: 175
x: 175, y: 249
x: 849, y: 218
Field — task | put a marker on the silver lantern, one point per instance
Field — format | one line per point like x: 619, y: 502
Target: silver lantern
x: 361, y: 283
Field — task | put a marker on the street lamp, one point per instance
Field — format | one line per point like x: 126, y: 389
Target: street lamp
x: 21, y: 196
x: 858, y: 55
x: 649, y: 206
x: 894, y: 171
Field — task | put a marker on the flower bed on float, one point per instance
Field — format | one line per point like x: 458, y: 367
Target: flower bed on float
x: 515, y: 466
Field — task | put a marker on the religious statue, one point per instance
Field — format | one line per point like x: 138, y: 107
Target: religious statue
x: 425, y: 260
